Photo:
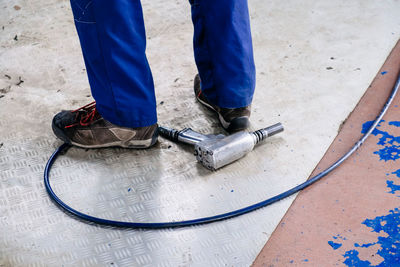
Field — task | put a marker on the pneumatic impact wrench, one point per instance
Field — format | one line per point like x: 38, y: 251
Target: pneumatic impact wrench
x: 216, y: 151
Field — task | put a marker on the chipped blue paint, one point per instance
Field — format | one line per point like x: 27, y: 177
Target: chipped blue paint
x: 389, y: 244
x: 384, y: 72
x: 352, y: 259
x: 339, y: 236
x: 393, y: 187
x: 388, y: 226
x: 364, y: 245
x: 390, y: 143
x: 395, y: 123
x: 334, y: 245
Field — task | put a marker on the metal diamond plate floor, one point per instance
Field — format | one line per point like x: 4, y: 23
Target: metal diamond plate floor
x: 302, y: 50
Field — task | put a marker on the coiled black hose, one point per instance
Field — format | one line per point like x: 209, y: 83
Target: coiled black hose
x: 218, y: 217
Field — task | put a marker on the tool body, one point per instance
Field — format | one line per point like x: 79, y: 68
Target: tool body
x: 216, y: 151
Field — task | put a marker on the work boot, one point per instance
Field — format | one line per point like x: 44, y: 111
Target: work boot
x: 86, y: 128
x: 231, y: 119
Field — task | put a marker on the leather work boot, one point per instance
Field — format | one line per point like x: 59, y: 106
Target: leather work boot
x: 231, y: 119
x: 86, y: 128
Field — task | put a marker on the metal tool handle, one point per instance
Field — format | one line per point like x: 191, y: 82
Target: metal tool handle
x: 186, y: 135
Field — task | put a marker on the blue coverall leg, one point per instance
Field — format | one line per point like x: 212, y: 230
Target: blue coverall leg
x: 113, y: 41
x: 223, y: 51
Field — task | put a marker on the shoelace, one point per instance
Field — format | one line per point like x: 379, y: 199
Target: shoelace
x: 88, y: 115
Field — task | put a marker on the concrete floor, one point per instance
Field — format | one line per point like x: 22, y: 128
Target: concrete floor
x: 314, y: 61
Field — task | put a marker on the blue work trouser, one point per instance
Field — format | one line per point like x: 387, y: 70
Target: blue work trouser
x: 113, y: 42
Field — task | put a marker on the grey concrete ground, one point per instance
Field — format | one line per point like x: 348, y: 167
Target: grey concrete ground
x: 314, y: 61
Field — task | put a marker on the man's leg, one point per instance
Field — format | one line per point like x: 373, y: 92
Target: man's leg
x: 113, y: 42
x: 223, y: 51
